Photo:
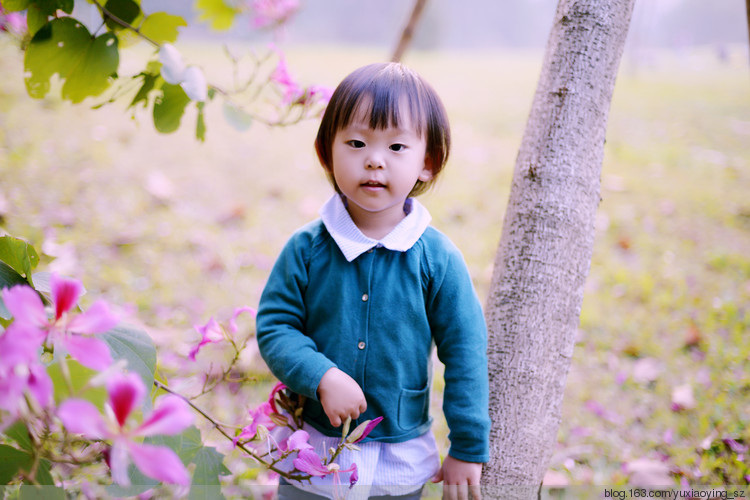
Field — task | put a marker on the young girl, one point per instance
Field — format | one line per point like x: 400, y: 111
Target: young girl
x: 358, y: 298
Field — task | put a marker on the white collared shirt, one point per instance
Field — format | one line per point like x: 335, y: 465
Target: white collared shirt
x: 383, y: 468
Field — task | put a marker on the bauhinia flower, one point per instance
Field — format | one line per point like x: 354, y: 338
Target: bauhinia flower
x: 289, y: 87
x: 309, y: 462
x: 171, y: 415
x: 21, y: 370
x: 263, y: 415
x: 211, y: 332
x: 69, y: 331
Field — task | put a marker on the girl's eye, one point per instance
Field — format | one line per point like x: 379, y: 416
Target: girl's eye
x: 397, y: 147
x: 356, y: 144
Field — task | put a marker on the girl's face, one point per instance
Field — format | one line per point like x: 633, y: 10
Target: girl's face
x: 377, y: 169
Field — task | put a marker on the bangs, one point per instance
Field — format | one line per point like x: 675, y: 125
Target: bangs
x: 380, y: 96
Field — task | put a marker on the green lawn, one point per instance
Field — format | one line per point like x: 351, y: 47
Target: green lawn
x: 176, y: 231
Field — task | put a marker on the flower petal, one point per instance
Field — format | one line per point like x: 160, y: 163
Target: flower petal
x: 272, y: 396
x: 194, y: 84
x: 363, y: 430
x: 82, y: 417
x: 233, y: 322
x: 65, y: 294
x: 309, y: 462
x: 159, y: 462
x: 211, y: 332
x: 297, y: 441
x: 19, y: 345
x: 89, y: 351
x: 118, y: 463
x: 40, y: 385
x: 126, y: 392
x: 171, y: 415
x: 25, y: 305
x: 172, y: 69
x: 96, y: 319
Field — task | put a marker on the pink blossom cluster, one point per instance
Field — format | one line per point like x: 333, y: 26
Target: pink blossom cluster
x: 292, y: 93
x: 272, y: 12
x: 267, y: 416
x: 23, y: 377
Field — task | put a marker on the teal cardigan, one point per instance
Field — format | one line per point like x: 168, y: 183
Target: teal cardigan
x: 377, y: 318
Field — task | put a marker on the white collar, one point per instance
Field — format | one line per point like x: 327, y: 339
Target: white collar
x: 354, y: 243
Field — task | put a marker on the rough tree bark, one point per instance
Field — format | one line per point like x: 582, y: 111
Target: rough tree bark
x: 545, y: 250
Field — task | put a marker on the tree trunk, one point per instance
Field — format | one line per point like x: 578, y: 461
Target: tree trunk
x: 545, y: 250
x: 747, y: 14
x: 408, y: 32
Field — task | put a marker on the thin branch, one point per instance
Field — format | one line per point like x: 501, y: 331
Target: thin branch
x: 106, y: 13
x: 747, y: 8
x: 408, y: 33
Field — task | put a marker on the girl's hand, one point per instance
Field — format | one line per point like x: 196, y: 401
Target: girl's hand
x: 340, y: 396
x: 459, y: 479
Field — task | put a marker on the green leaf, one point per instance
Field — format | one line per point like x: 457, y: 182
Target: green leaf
x: 20, y: 434
x: 200, y: 128
x: 79, y: 377
x: 8, y: 279
x: 209, y: 465
x: 66, y: 5
x: 137, y: 348
x: 125, y: 10
x: 148, y: 86
x: 162, y: 27
x: 15, y: 5
x: 236, y: 117
x: 169, y: 108
x: 65, y: 47
x: 217, y: 13
x: 187, y: 444
x: 19, y: 255
x: 11, y: 461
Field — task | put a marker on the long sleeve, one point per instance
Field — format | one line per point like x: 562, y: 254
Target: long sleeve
x: 291, y: 355
x: 460, y: 334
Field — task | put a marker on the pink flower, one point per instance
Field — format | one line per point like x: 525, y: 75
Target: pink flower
x: 298, y: 441
x: 21, y: 370
x: 272, y: 12
x: 259, y: 416
x: 66, y: 330
x: 309, y: 462
x: 272, y: 396
x: 233, y: 322
x: 171, y: 415
x: 211, y: 332
x: 291, y: 90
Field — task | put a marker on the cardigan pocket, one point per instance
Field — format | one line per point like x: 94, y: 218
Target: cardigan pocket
x: 413, y: 407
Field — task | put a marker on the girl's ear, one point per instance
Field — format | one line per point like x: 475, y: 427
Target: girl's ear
x: 426, y: 174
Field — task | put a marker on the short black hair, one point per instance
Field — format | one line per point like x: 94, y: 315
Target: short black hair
x: 384, y: 84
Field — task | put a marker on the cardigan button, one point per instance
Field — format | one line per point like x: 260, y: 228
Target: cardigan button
x: 361, y: 345
x: 365, y: 297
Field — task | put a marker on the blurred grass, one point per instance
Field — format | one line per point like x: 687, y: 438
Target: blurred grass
x: 176, y: 231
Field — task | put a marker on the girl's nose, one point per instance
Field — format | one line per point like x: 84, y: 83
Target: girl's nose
x: 374, y: 161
